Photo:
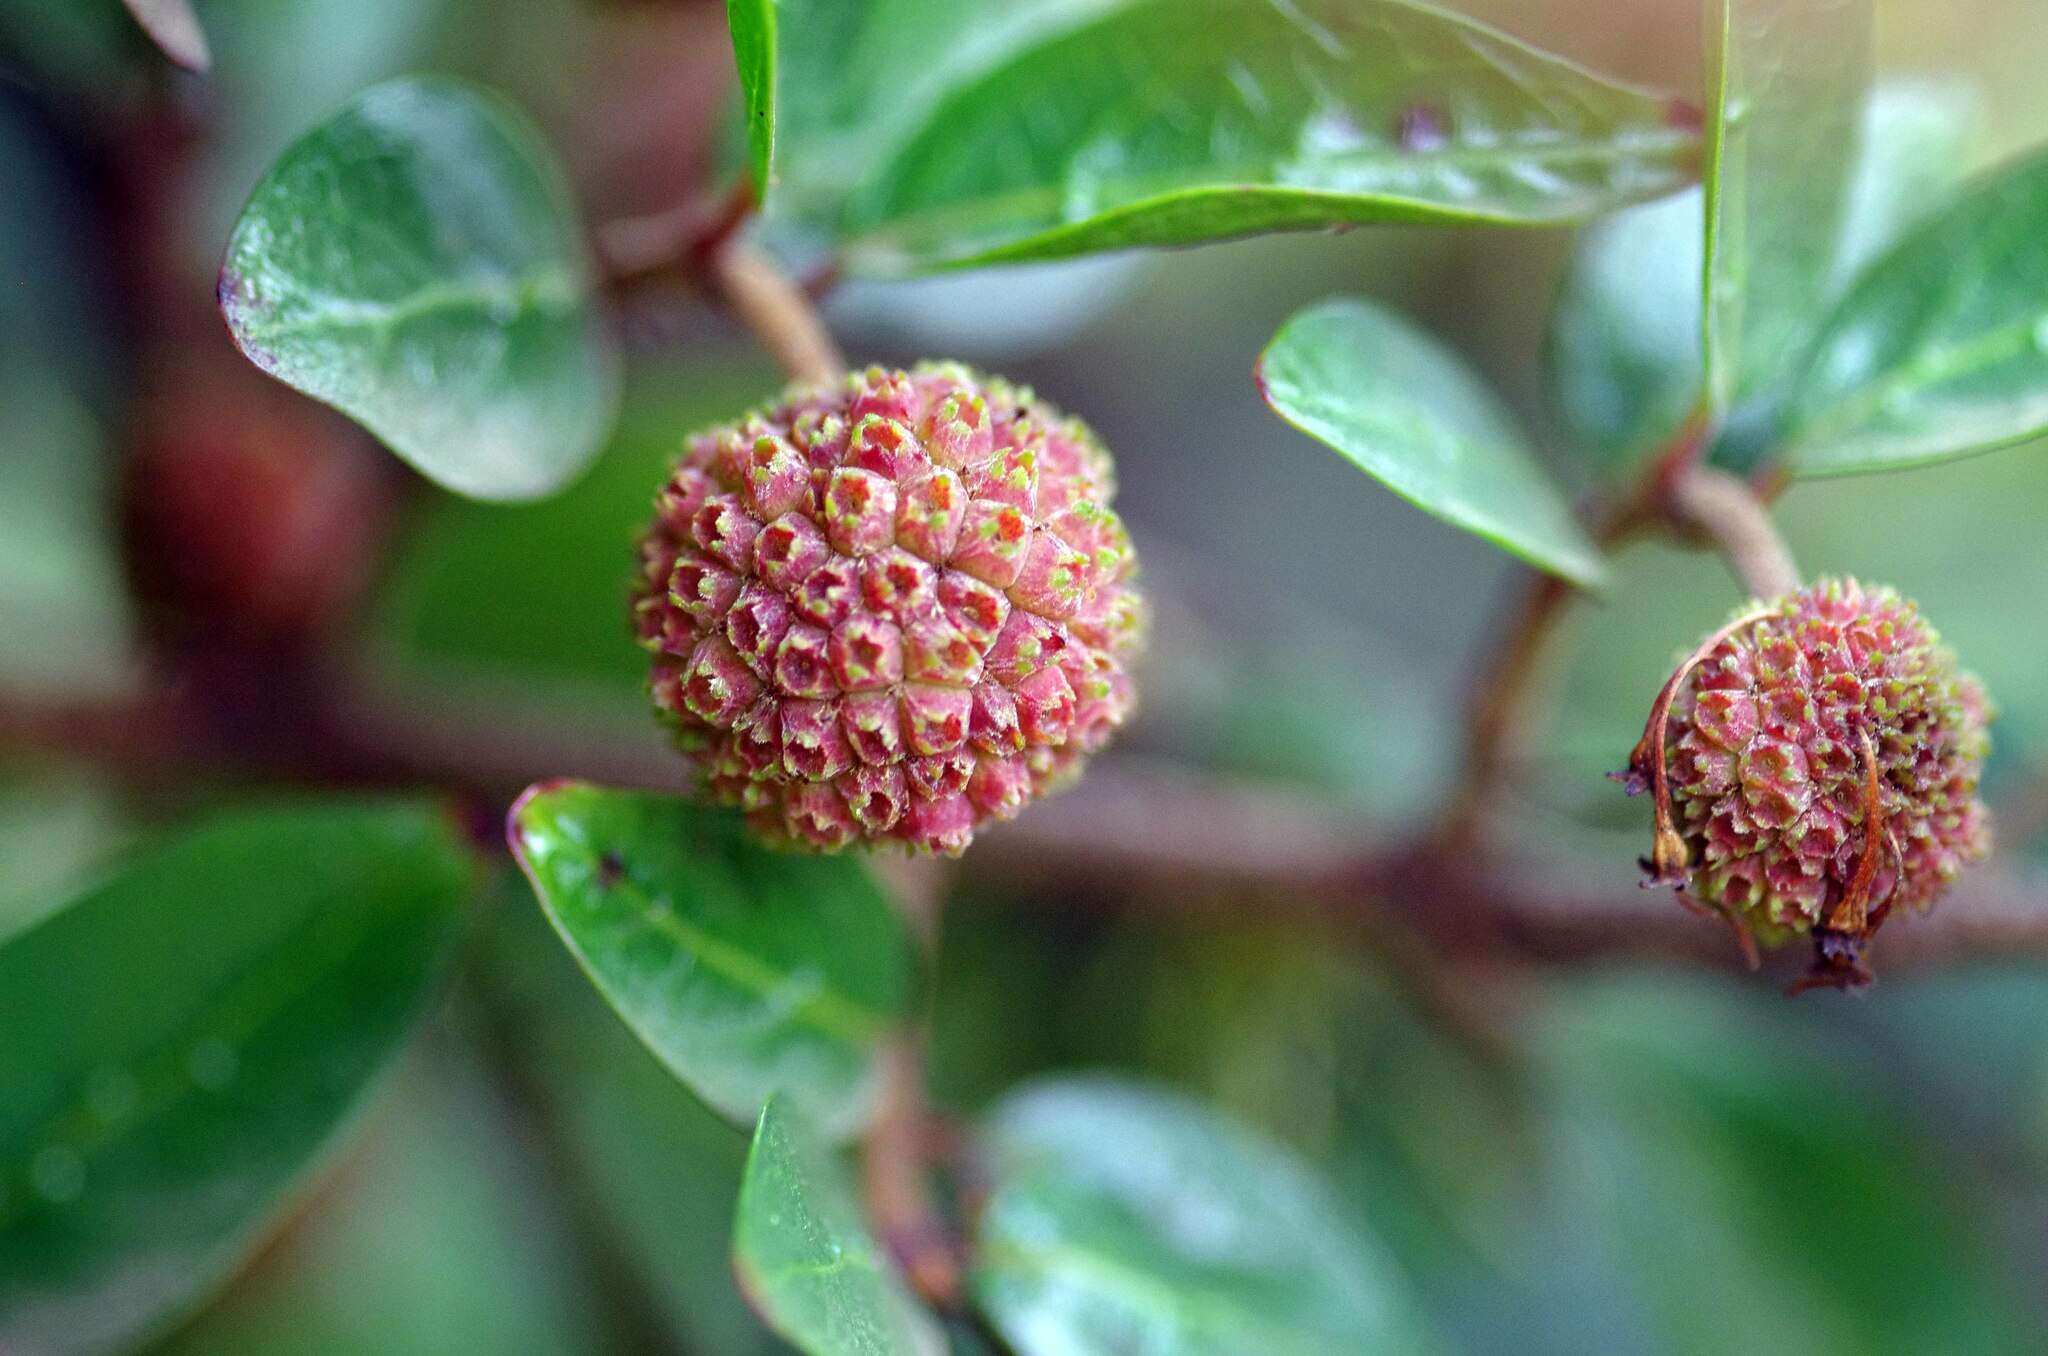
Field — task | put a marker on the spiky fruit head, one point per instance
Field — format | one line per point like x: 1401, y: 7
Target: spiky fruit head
x: 1821, y: 757
x: 890, y: 608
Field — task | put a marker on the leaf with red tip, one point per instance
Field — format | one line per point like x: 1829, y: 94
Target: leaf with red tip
x: 414, y: 262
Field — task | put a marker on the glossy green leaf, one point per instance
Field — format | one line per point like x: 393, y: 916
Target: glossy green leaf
x: 1622, y: 361
x: 753, y: 48
x: 803, y: 1254
x: 932, y: 132
x: 1913, y: 151
x: 414, y: 262
x: 748, y: 971
x: 1387, y: 396
x: 1785, y: 86
x: 1127, y: 1218
x: 184, y: 1042
x: 1941, y: 349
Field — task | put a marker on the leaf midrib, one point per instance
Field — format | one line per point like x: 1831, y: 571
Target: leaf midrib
x: 556, y: 289
x: 1243, y: 177
x: 1930, y: 368
x: 823, y: 1009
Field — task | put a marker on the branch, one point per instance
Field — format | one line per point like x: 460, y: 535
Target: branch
x: 632, y: 250
x: 1129, y: 835
x: 1212, y: 844
x: 1675, y: 488
x: 702, y: 242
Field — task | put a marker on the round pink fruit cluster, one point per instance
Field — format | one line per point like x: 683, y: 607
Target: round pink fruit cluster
x: 890, y: 608
x: 1822, y: 762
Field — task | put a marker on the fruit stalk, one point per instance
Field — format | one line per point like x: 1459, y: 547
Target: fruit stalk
x: 1727, y: 513
x: 779, y: 313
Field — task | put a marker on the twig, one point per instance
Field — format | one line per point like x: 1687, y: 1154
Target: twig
x: 702, y: 241
x: 1677, y: 489
x: 1727, y: 512
x: 1472, y: 905
x: 777, y: 310
x: 1498, y: 697
x: 1496, y: 701
x: 1128, y: 834
x: 632, y: 250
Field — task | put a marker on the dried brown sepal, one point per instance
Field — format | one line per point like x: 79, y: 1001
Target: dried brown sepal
x: 1669, y: 862
x: 1851, y: 914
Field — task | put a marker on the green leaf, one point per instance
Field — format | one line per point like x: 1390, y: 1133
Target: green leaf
x: 185, y: 1042
x: 753, y: 47
x: 1941, y: 349
x: 803, y: 1254
x: 929, y: 133
x: 1913, y: 151
x: 414, y: 262
x: 1387, y: 396
x: 1128, y: 1218
x: 747, y: 971
x: 1785, y: 86
x: 1622, y: 361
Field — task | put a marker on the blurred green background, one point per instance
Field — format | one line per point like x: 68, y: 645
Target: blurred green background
x: 1681, y: 1161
